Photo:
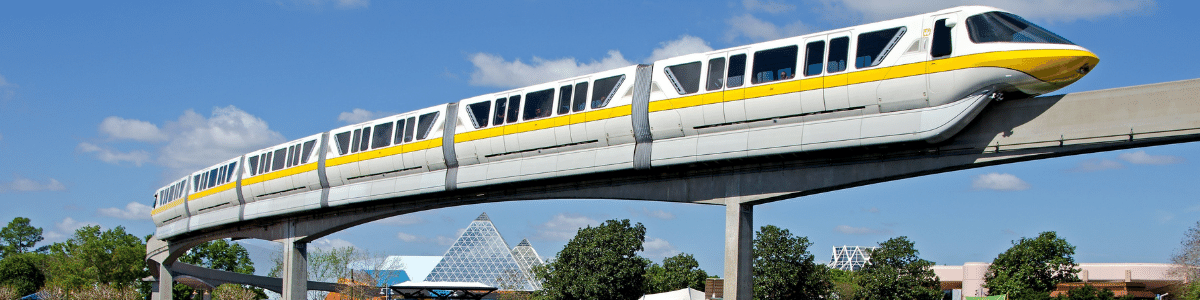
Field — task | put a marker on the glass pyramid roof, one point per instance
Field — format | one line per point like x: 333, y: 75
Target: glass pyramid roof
x: 481, y: 255
x: 527, y: 258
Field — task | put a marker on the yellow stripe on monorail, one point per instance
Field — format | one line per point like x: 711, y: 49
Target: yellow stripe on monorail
x: 389, y: 151
x: 563, y: 120
x: 280, y: 174
x: 167, y: 206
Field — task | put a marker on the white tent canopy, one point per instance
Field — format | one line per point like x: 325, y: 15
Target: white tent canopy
x: 684, y: 294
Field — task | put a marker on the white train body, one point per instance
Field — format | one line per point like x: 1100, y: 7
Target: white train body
x: 919, y: 78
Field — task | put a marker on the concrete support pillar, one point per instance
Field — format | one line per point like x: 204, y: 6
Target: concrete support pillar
x: 739, y: 242
x: 165, y: 282
x: 295, y: 269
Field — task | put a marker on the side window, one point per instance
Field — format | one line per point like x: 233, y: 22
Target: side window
x: 603, y: 90
x: 308, y: 149
x: 343, y: 142
x: 839, y: 51
x: 279, y: 159
x: 292, y: 154
x: 942, y: 45
x: 425, y: 124
x: 774, y: 64
x: 409, y: 128
x: 716, y: 72
x: 685, y: 77
x: 737, y: 70
x: 266, y: 162
x: 814, y: 61
x: 196, y: 183
x: 253, y: 160
x: 366, y: 139
x: 498, y: 117
x: 538, y: 104
x: 874, y: 46
x: 220, y: 174
x: 564, y: 99
x: 355, y: 141
x: 580, y: 101
x: 383, y: 136
x: 229, y: 175
x: 514, y: 109
x: 400, y: 131
x: 212, y: 178
x: 478, y: 113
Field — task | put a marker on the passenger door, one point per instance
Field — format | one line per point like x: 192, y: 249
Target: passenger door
x: 942, y: 81
x: 720, y: 69
x: 837, y: 62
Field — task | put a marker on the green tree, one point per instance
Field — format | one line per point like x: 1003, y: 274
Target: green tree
x: 1086, y: 292
x: 1187, y: 257
x: 784, y: 269
x: 598, y: 263
x: 1032, y: 267
x: 676, y: 272
x: 218, y: 255
x: 845, y: 283
x: 18, y: 237
x: 21, y: 273
x: 896, y: 272
x: 93, y: 257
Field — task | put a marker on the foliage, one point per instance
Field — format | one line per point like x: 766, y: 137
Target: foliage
x: 896, y: 272
x: 509, y: 283
x: 234, y: 292
x: 676, y: 272
x: 218, y: 255
x: 784, y: 269
x: 1086, y: 292
x: 93, y: 256
x: 1188, y: 259
x: 18, y: 237
x: 334, y: 265
x: 598, y: 263
x: 106, y: 291
x: 845, y: 283
x: 21, y: 273
x: 1032, y: 267
x: 8, y: 293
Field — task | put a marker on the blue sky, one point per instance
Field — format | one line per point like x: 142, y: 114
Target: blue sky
x: 101, y: 103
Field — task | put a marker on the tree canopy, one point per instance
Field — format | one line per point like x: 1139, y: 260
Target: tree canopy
x: 1032, y: 267
x: 93, y: 256
x: 218, y: 255
x: 784, y: 269
x: 598, y: 263
x: 676, y: 272
x: 21, y: 273
x: 18, y: 237
x: 896, y: 272
x: 1188, y: 258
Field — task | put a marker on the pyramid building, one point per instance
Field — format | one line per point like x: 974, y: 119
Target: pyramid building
x: 481, y: 255
x: 527, y: 258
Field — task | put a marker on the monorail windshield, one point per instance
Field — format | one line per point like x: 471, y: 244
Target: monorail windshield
x: 1005, y: 27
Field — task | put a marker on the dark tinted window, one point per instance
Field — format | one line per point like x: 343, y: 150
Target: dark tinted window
x: 564, y: 99
x: 253, y: 160
x: 296, y: 156
x: 212, y: 179
x: 814, y: 60
x: 538, y: 104
x: 220, y: 175
x: 498, y: 117
x: 366, y: 139
x: 266, y: 162
x: 774, y: 64
x: 400, y: 131
x: 874, y: 46
x: 425, y: 124
x: 603, y: 90
x: 716, y: 72
x: 478, y: 113
x: 410, y: 127
x: 684, y: 77
x: 229, y: 175
x: 343, y: 142
x: 942, y: 45
x: 355, y: 142
x: 580, y: 101
x: 839, y: 51
x: 382, y: 136
x: 279, y: 160
x: 308, y: 149
x: 737, y: 70
x: 1005, y: 27
x: 291, y: 153
x: 196, y: 183
x: 514, y: 109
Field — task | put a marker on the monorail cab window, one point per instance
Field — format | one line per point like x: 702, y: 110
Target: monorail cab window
x: 774, y: 64
x: 564, y: 100
x: 874, y: 46
x: 814, y: 60
x: 716, y: 71
x: 477, y: 113
x: 684, y: 77
x: 737, y: 71
x: 943, y: 44
x: 539, y: 104
x: 999, y: 27
x: 839, y: 51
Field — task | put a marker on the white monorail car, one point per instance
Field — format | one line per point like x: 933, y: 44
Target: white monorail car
x: 919, y: 78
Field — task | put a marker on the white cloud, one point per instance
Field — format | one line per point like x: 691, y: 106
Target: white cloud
x: 1038, y: 10
x: 65, y: 229
x: 757, y: 30
x: 767, y: 6
x: 493, y: 70
x: 403, y: 220
x: 1097, y: 164
x: 137, y: 157
x: 328, y: 243
x: 686, y: 44
x: 20, y: 184
x: 1141, y: 158
x: 445, y: 240
x: 127, y: 129
x: 132, y: 211
x: 408, y: 237
x: 999, y: 182
x: 563, y: 227
x: 657, y: 214
x: 656, y: 249
x: 846, y: 229
x: 359, y: 115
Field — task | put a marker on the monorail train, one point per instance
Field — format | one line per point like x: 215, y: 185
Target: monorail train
x: 919, y: 78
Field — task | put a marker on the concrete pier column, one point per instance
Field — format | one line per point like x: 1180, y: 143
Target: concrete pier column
x: 739, y: 242
x: 165, y: 282
x: 295, y: 269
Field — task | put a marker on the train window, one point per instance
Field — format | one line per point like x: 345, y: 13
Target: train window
x: 343, y: 142
x: 685, y: 77
x: 564, y: 99
x: 874, y: 46
x: 399, y: 131
x: 383, y: 136
x: 366, y: 139
x: 1005, y: 27
x: 212, y: 178
x: 942, y: 45
x: 814, y: 60
x: 737, y: 70
x: 478, y: 113
x: 355, y: 140
x: 603, y: 90
x: 266, y: 162
x: 426, y: 124
x: 229, y: 171
x: 253, y: 160
x: 839, y: 51
x: 774, y: 64
x: 580, y: 101
x: 716, y: 72
x: 409, y: 126
x: 296, y: 156
x: 278, y: 159
x: 291, y: 152
x: 308, y: 149
x: 498, y: 117
x: 514, y: 109
x: 538, y: 104
x: 196, y: 183
x: 220, y: 174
